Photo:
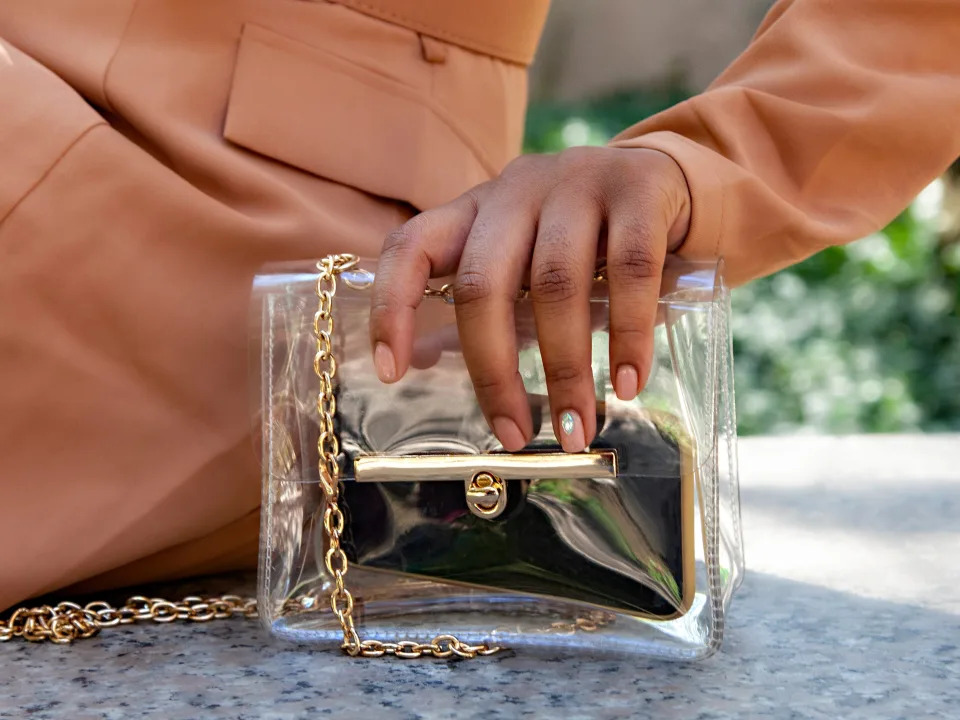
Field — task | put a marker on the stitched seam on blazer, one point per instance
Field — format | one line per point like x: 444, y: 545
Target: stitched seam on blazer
x: 116, y: 51
x: 716, y: 141
x: 415, y: 25
x: 46, y: 173
x: 720, y: 219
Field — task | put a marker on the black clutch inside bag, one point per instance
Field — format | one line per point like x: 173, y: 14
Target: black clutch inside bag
x: 622, y: 540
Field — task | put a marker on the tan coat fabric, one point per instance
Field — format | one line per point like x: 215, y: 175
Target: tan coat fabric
x: 154, y: 153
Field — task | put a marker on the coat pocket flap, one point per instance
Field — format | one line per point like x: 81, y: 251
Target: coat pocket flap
x: 331, y: 117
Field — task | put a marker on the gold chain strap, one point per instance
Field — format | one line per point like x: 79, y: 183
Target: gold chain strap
x: 67, y: 621
x: 445, y: 291
x: 328, y: 449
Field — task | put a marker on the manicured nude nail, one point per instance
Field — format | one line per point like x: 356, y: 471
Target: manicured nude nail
x: 508, y: 434
x: 571, y: 431
x: 385, y: 363
x: 627, y: 382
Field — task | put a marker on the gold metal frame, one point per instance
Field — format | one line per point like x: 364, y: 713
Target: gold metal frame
x: 507, y: 466
x: 484, y: 476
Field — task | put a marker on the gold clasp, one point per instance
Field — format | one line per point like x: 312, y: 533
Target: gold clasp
x: 486, y: 495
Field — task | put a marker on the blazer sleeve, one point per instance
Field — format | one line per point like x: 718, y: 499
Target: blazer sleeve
x: 41, y: 117
x: 827, y: 126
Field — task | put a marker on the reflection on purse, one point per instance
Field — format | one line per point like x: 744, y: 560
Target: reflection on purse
x: 631, y: 546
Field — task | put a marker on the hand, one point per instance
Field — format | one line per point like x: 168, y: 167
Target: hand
x: 552, y: 219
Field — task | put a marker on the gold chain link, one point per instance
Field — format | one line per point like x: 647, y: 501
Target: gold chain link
x: 67, y: 621
x: 445, y: 291
x: 328, y: 450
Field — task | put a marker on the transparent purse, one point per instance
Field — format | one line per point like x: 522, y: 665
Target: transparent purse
x: 394, y: 523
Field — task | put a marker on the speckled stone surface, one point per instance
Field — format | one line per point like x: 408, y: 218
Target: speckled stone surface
x: 851, y: 609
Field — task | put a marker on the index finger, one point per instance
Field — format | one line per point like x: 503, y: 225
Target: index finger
x: 426, y: 246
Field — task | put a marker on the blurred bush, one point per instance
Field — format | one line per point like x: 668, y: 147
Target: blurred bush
x: 861, y: 338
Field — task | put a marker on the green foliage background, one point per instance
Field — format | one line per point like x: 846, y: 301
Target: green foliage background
x: 861, y: 338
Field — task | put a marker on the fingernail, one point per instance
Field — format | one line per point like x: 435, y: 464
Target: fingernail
x: 627, y: 382
x: 571, y: 431
x: 508, y: 434
x: 385, y: 363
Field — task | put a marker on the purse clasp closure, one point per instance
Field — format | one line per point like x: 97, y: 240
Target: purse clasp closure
x: 485, y: 476
x: 486, y: 495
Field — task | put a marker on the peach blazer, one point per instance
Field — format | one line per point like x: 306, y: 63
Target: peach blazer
x: 154, y: 153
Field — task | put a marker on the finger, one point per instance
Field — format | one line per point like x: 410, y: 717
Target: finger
x: 429, y: 346
x: 561, y: 278
x: 637, y: 246
x: 491, y: 271
x: 428, y: 245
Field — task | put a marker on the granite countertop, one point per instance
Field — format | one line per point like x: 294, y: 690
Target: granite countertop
x: 850, y: 609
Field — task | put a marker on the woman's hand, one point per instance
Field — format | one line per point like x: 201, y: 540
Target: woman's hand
x: 552, y: 219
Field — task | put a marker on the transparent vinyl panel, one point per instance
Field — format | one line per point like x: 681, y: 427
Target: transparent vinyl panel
x: 631, y: 547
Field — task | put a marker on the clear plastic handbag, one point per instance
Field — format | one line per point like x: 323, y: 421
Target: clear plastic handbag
x: 394, y: 523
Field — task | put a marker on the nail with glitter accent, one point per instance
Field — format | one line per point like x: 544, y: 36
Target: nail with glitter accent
x: 571, y: 438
